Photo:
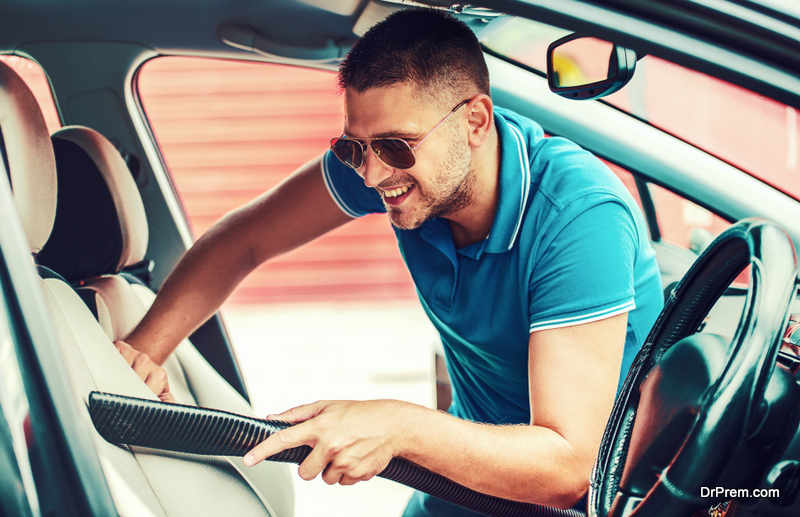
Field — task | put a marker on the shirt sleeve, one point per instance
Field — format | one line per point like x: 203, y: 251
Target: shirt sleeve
x: 584, y: 272
x: 347, y: 188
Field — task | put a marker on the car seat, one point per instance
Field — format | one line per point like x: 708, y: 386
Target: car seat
x: 141, y: 481
x: 92, y: 242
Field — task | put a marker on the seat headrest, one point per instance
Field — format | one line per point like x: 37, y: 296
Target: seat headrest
x: 100, y: 224
x: 28, y: 157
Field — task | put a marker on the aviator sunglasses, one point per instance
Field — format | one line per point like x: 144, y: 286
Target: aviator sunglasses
x: 394, y: 152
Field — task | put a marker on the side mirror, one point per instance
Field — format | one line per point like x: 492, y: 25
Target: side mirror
x: 582, y: 68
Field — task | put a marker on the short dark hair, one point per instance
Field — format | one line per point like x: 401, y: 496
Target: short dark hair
x: 426, y: 48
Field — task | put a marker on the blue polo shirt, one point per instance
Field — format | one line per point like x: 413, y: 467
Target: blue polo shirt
x: 568, y: 246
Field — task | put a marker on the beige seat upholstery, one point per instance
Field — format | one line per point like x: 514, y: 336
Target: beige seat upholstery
x: 142, y: 482
x: 29, y: 154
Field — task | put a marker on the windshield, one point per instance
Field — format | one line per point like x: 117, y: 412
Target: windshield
x: 754, y: 133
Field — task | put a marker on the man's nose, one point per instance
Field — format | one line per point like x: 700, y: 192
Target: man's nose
x: 374, y: 170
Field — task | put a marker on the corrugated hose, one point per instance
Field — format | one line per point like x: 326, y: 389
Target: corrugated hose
x: 125, y: 420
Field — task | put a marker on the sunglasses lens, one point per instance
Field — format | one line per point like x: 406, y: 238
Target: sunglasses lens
x: 349, y: 152
x: 394, y: 152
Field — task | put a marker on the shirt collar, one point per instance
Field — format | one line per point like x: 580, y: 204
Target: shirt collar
x: 513, y: 187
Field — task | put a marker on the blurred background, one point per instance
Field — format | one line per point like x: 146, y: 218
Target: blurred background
x: 339, y: 318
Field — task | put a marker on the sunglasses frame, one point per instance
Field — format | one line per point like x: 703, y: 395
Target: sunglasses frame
x: 364, y: 143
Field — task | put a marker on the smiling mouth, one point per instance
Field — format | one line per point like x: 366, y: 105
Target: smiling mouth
x: 397, y: 192
x: 396, y: 196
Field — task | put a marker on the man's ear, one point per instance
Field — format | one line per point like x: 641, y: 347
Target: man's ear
x: 480, y: 119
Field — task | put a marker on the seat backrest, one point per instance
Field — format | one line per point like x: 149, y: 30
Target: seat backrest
x: 28, y: 155
x: 94, y: 241
x: 141, y: 481
x: 100, y: 225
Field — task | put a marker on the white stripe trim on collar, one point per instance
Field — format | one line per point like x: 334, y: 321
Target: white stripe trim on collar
x: 526, y: 180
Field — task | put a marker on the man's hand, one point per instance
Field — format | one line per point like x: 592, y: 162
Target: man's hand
x: 151, y: 373
x: 352, y: 441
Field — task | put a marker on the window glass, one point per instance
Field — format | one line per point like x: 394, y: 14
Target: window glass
x: 683, y: 222
x: 756, y: 134
x: 683, y: 226
x: 521, y: 40
x: 680, y: 222
x: 628, y: 180
x: 230, y: 131
x: 34, y: 77
x: 687, y: 225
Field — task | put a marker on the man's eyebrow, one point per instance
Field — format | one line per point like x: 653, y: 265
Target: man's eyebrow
x: 400, y: 134
x: 405, y: 135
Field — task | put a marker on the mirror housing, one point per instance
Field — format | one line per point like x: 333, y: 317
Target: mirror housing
x: 582, y: 67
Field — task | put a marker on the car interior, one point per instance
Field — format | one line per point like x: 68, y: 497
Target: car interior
x: 90, y: 243
x: 103, y: 242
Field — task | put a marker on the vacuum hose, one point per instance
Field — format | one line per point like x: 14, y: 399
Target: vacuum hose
x: 175, y: 427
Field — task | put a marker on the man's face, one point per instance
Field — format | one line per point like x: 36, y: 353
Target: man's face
x: 441, y: 181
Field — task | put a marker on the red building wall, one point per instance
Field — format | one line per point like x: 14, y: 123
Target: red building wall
x: 229, y: 132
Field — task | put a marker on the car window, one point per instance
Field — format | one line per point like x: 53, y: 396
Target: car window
x: 680, y: 228
x: 678, y: 220
x: 756, y: 134
x: 232, y: 130
x: 683, y: 222
x: 627, y: 179
x: 34, y: 77
x: 229, y: 131
x: 521, y: 40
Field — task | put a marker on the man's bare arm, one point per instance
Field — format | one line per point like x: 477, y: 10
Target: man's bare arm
x: 293, y: 213
x: 573, y: 380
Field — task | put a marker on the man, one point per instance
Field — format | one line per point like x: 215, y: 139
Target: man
x: 529, y: 256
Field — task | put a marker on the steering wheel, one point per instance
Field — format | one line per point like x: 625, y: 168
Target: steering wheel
x: 692, y: 403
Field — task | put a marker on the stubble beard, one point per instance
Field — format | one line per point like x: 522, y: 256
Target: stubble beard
x: 450, y: 191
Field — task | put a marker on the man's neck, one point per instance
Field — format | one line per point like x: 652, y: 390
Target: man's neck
x: 473, y: 223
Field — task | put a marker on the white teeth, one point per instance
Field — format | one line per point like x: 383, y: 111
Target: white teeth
x: 396, y: 192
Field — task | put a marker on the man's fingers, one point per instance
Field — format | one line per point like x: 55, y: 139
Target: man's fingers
x: 301, y: 413
x: 159, y: 384
x: 330, y: 475
x: 345, y: 472
x: 280, y: 441
x: 315, y: 463
x: 145, y: 367
x: 166, y: 396
x: 126, y: 351
x: 151, y: 373
x: 140, y: 362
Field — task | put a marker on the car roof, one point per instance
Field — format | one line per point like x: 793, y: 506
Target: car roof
x: 753, y: 44
x: 175, y: 26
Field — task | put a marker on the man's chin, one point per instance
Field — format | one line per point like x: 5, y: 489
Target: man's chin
x: 404, y: 221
